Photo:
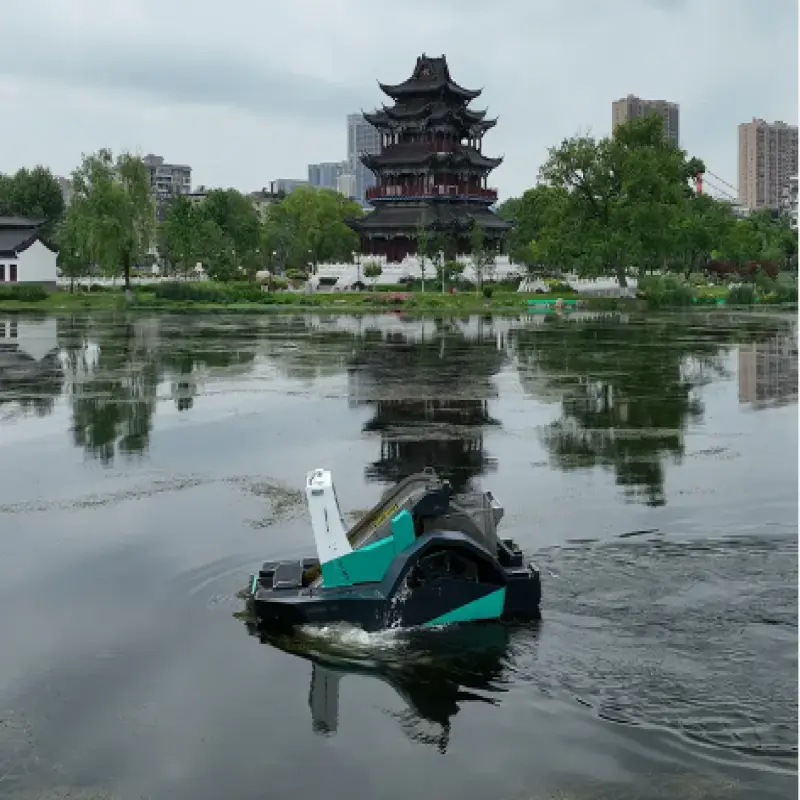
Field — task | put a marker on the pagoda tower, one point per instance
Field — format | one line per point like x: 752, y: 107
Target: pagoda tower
x: 431, y: 171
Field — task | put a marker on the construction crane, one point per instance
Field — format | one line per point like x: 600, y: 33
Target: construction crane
x: 702, y: 179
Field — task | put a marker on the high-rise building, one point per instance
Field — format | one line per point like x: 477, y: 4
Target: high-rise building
x: 633, y: 107
x: 767, y: 162
x: 326, y: 174
x: 789, y: 200
x: 167, y: 181
x: 287, y: 185
x: 362, y: 137
x: 346, y: 185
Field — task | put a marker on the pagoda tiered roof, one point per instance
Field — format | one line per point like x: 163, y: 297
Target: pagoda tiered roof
x: 413, y: 156
x: 431, y: 76
x: 422, y: 115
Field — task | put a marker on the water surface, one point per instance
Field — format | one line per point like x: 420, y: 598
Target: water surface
x: 648, y: 465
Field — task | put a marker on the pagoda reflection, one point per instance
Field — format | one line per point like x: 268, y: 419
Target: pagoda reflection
x: 430, y: 398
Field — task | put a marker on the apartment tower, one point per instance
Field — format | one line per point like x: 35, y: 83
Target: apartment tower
x: 767, y: 162
x: 361, y: 138
x: 633, y: 107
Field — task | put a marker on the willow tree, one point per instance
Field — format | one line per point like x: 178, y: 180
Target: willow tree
x: 112, y: 213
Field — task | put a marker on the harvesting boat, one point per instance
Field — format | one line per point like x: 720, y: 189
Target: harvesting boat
x: 421, y: 557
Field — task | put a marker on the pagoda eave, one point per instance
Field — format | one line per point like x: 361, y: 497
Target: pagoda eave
x: 401, y: 161
x: 377, y: 119
x: 414, y: 87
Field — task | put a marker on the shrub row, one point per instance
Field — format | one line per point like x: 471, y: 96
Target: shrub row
x: 672, y: 292
x: 207, y: 292
x: 24, y: 293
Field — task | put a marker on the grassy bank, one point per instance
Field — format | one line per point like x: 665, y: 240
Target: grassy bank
x: 339, y: 302
x: 251, y: 299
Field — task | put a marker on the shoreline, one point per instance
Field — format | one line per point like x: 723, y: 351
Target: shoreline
x: 502, y: 303
x: 362, y: 302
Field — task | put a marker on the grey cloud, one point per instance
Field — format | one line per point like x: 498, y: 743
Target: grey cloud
x: 667, y: 5
x: 181, y: 76
x: 147, y: 71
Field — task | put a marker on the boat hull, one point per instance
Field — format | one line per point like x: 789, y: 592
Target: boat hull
x: 444, y: 577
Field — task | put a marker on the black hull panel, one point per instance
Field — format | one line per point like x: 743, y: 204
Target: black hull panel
x: 444, y: 577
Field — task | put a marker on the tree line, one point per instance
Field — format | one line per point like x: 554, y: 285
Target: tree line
x: 110, y: 223
x: 607, y: 206
x: 604, y: 206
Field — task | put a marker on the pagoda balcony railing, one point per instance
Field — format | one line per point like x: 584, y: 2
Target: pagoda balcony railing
x: 417, y: 191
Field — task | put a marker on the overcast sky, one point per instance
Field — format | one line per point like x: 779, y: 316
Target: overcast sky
x: 251, y: 90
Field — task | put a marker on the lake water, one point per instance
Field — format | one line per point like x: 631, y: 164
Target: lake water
x: 648, y: 465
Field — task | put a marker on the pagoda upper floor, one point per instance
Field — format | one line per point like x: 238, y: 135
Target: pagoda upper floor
x: 431, y: 77
x: 430, y: 100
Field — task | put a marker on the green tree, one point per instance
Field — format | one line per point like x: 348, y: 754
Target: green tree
x: 372, y: 269
x: 181, y: 234
x: 446, y: 270
x: 425, y: 250
x: 238, y: 221
x: 742, y: 243
x: 276, y: 239
x: 32, y: 193
x: 111, y: 214
x: 482, y: 257
x: 218, y: 251
x: 73, y: 258
x: 310, y: 224
x: 537, y: 216
x: 624, y: 196
x: 703, y: 225
x: 777, y: 240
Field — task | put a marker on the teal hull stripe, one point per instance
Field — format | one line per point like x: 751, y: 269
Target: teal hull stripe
x: 369, y: 564
x: 489, y: 606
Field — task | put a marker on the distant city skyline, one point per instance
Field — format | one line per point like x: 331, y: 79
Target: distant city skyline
x: 242, y: 114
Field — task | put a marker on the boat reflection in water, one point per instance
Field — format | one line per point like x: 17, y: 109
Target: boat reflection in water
x: 434, y: 671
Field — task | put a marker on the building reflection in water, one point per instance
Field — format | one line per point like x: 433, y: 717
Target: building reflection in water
x: 31, y: 372
x: 768, y: 371
x: 429, y: 388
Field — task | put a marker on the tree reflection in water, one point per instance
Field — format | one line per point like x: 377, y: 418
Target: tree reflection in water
x: 116, y: 367
x: 628, y: 390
